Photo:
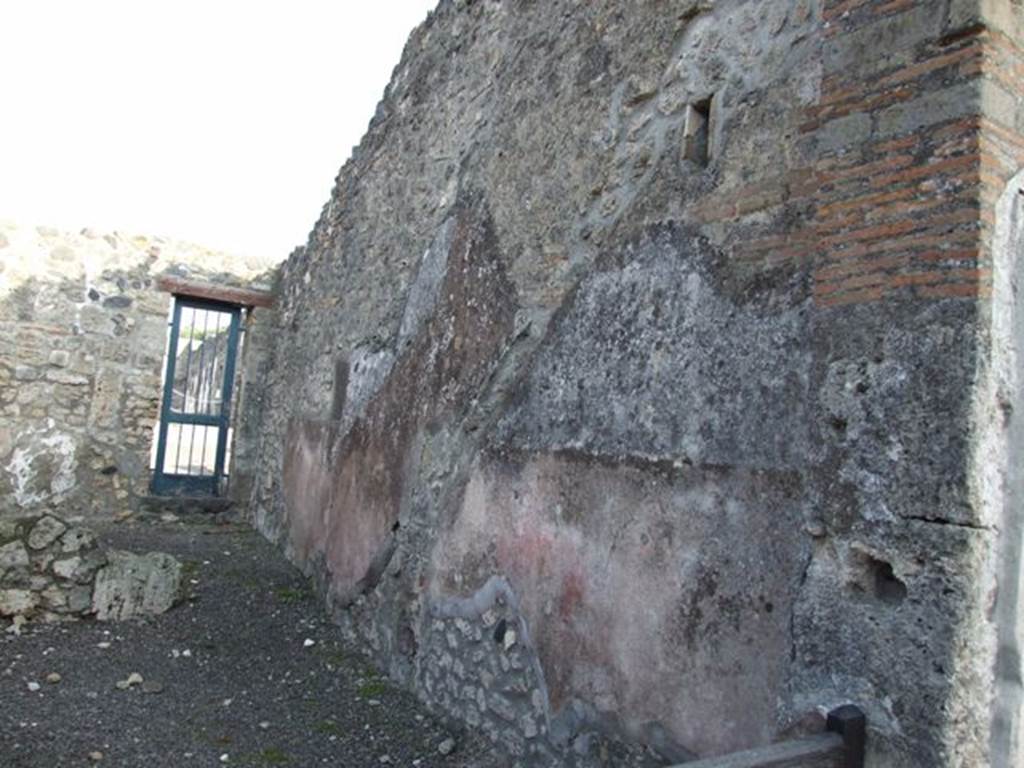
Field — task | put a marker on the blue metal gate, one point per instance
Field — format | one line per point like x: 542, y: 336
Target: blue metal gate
x: 195, y: 413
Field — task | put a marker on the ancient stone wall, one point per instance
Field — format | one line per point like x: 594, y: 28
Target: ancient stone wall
x: 51, y: 570
x: 83, y: 331
x: 649, y: 376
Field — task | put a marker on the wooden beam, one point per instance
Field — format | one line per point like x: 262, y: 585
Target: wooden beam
x: 245, y: 297
x: 841, y: 746
x: 822, y: 751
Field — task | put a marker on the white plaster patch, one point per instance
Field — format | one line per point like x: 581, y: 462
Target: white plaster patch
x: 367, y: 372
x: 32, y: 443
x: 426, y: 288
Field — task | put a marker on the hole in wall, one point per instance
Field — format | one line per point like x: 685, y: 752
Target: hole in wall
x: 500, y: 630
x: 875, y: 577
x: 339, y: 392
x: 407, y: 645
x: 888, y: 588
x: 697, y: 132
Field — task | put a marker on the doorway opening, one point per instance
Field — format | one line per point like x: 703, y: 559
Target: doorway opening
x: 193, y: 441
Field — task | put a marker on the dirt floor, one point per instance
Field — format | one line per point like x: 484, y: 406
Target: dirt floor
x: 247, y: 672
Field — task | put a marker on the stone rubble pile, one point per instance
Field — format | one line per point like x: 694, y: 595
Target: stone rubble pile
x: 52, y: 570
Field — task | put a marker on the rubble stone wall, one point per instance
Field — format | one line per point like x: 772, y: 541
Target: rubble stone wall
x: 47, y: 568
x: 83, y: 332
x: 688, y: 331
x: 51, y: 570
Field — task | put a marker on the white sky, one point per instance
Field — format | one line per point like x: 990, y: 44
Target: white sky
x: 222, y: 122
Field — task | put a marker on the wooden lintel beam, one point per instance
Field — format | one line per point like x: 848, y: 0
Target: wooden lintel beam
x: 840, y: 746
x: 245, y: 297
x: 822, y: 751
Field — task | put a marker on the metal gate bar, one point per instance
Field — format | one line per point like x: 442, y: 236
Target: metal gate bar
x: 199, y: 379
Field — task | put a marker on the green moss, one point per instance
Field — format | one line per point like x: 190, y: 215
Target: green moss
x: 372, y: 688
x: 337, y: 658
x: 273, y: 756
x: 291, y: 594
x: 328, y: 727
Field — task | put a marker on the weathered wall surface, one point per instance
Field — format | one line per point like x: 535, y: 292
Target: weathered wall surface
x: 593, y: 439
x: 83, y: 331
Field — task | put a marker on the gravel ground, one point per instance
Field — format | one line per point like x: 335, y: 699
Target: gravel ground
x: 241, y: 684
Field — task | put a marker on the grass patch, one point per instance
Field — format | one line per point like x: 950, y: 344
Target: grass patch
x: 243, y: 578
x: 372, y: 689
x: 273, y: 756
x: 291, y: 594
x: 328, y: 728
x: 337, y: 658
x: 268, y: 756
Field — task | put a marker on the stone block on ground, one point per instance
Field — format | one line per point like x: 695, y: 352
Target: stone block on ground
x: 80, y: 568
x: 50, y: 570
x: 133, y: 585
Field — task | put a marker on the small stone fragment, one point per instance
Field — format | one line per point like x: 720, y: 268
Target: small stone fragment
x: 447, y: 746
x: 8, y: 530
x: 96, y: 756
x: 79, y: 598
x: 53, y: 678
x: 307, y: 643
x: 53, y: 597
x: 66, y: 568
x: 76, y: 539
x: 134, y: 679
x: 59, y: 358
x: 45, y: 532
x: 529, y: 726
x: 152, y: 686
x: 14, y: 602
x: 13, y: 555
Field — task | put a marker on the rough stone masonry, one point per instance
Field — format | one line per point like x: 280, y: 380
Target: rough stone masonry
x: 83, y: 332
x: 53, y: 571
x: 652, y: 375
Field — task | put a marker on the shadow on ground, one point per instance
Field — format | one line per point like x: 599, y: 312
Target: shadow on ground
x: 236, y: 680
